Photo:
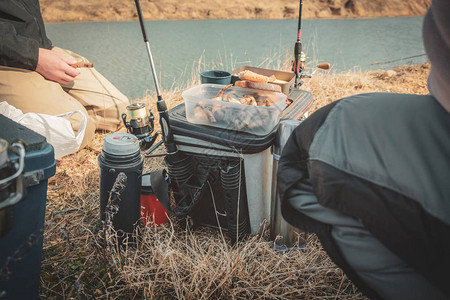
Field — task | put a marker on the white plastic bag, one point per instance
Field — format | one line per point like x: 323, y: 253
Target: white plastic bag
x: 57, y: 129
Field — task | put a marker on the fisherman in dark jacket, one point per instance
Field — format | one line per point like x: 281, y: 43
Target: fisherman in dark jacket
x: 370, y: 175
x: 37, y: 77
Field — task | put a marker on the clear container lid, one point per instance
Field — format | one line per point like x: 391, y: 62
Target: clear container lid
x: 209, y: 92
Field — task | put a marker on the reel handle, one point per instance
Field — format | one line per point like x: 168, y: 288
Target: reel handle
x: 324, y: 66
x: 125, y: 123
x: 151, y: 119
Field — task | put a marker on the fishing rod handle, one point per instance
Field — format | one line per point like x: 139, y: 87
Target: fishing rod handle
x: 141, y: 19
x: 167, y: 135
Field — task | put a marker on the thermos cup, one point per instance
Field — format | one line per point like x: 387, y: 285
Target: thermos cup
x: 120, y: 154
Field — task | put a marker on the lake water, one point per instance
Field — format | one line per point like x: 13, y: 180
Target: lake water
x: 181, y: 49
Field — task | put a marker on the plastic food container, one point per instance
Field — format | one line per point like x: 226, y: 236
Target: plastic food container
x: 258, y: 120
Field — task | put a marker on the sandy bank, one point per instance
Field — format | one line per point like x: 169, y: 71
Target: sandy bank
x: 119, y: 10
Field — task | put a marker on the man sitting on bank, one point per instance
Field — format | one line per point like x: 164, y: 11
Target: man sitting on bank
x: 370, y: 174
x: 37, y: 77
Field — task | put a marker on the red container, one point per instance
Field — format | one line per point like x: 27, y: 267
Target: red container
x: 152, y: 211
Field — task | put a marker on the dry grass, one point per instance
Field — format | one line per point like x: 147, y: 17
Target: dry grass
x: 327, y: 88
x: 174, y: 261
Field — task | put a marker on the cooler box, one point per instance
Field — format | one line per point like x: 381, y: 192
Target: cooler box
x: 248, y: 154
x: 23, y: 223
x: 237, y: 153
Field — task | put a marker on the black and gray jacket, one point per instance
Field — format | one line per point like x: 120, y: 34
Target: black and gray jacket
x: 384, y: 160
x: 22, y: 33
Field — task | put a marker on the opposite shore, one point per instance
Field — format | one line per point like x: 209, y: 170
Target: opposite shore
x: 54, y: 11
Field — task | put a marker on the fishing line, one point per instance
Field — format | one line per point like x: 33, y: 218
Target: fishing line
x: 399, y: 59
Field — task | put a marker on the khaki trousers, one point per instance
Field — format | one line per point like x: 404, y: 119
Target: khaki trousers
x: 91, y: 93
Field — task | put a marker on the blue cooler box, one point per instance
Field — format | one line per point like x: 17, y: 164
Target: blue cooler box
x: 22, y: 224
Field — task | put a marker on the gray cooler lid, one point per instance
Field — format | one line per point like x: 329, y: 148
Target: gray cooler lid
x: 12, y: 132
x: 120, y: 143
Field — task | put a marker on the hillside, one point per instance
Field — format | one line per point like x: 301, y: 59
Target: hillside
x: 119, y: 10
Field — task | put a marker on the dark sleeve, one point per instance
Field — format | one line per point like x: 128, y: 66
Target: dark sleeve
x: 294, y: 159
x: 16, y: 49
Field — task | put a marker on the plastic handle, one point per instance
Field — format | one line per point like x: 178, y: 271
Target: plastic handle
x: 17, y: 196
x: 80, y: 133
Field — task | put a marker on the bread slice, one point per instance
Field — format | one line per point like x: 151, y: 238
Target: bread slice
x: 258, y: 85
x: 252, y: 76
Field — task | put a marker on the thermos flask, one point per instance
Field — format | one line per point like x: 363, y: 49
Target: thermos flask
x: 285, y: 233
x: 120, y: 203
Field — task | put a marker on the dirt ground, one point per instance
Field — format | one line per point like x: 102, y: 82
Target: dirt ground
x: 119, y: 10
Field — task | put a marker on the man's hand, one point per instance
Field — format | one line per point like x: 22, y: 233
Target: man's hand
x: 56, y: 67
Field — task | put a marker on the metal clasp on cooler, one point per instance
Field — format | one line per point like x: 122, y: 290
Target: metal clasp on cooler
x: 16, y: 196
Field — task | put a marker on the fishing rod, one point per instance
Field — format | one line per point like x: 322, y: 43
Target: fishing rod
x: 167, y: 135
x: 178, y: 163
x: 299, y: 56
x: 298, y: 65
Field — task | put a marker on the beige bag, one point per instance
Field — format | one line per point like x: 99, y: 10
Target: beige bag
x: 57, y: 129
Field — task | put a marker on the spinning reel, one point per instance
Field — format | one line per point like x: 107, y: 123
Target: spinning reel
x: 140, y: 124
